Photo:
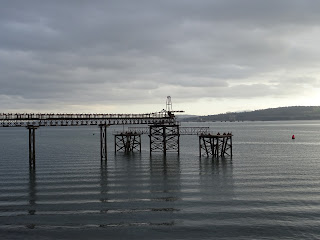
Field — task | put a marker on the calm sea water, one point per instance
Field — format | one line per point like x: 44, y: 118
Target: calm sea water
x: 269, y: 189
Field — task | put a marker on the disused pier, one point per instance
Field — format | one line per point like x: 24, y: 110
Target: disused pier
x: 164, y: 132
x: 166, y: 138
x: 163, y: 138
x: 215, y: 145
x: 33, y: 121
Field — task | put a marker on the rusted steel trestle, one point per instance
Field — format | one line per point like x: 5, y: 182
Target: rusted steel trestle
x: 215, y: 145
x: 164, y: 138
x: 127, y: 142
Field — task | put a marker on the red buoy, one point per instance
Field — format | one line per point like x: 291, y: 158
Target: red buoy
x: 293, y: 137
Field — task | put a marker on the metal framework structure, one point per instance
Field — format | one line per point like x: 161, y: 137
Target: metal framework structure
x: 51, y: 119
x: 127, y: 142
x: 164, y: 138
x: 215, y: 145
x: 182, y: 130
x: 32, y: 121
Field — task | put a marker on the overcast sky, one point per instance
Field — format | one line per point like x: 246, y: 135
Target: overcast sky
x: 210, y: 56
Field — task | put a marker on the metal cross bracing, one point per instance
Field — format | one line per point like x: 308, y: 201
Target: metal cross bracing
x: 51, y: 119
x: 182, y: 130
x: 164, y: 138
x: 127, y: 142
x: 215, y: 145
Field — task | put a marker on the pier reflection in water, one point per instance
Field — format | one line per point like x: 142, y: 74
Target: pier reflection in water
x: 216, y: 179
x: 32, y: 195
x: 165, y: 185
x: 269, y: 190
x: 32, y: 191
x: 135, y: 192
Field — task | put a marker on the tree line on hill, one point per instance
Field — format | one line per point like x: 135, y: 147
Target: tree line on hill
x: 270, y: 114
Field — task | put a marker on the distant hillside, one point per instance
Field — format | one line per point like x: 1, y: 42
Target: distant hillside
x: 271, y: 114
x: 182, y: 117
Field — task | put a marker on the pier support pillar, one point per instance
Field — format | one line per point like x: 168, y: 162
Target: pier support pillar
x: 32, y: 146
x: 103, y: 141
x: 164, y: 138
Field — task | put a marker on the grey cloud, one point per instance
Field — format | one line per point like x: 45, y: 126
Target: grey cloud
x: 117, y: 51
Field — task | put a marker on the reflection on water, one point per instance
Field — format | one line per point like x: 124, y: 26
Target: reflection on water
x: 137, y: 192
x: 32, y: 191
x: 212, y: 166
x: 267, y: 191
x: 165, y: 173
x: 165, y: 184
x: 216, y: 178
x: 32, y: 195
x: 104, y: 178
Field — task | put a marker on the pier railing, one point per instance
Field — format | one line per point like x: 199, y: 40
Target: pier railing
x: 182, y: 130
x: 65, y: 119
